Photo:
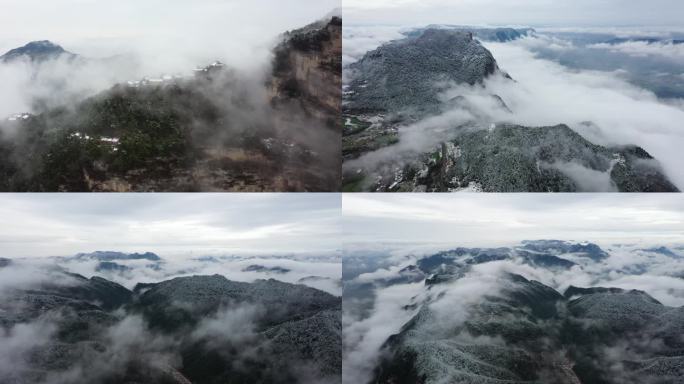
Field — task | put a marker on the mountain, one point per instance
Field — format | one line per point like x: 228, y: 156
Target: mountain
x: 110, y: 256
x: 219, y: 130
x: 37, y: 51
x: 399, y: 89
x: 405, y: 74
x: 455, y: 262
x: 261, y: 268
x: 198, y: 329
x: 501, y: 34
x: 300, y: 326
x: 108, y: 266
x: 430, y: 350
x: 512, y: 158
x: 663, y: 251
x: 588, y: 250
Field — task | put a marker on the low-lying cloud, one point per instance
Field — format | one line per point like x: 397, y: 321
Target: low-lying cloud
x: 643, y: 48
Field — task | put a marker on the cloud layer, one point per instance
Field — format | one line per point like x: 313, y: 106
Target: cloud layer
x: 171, y: 225
x: 486, y: 220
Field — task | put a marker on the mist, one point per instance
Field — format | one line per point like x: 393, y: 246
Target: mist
x: 585, y: 13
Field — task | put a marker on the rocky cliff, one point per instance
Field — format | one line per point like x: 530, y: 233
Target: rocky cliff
x: 308, y: 66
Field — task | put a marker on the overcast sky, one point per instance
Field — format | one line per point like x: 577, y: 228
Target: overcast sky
x: 158, y: 27
x: 493, y: 219
x: 168, y: 224
x: 520, y: 12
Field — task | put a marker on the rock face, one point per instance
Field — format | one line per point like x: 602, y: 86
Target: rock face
x: 37, y: 51
x: 409, y: 74
x: 525, y: 332
x: 308, y: 66
x: 200, y: 329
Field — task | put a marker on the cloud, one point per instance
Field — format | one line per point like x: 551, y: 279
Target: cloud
x: 233, y: 325
x: 246, y: 30
x: 18, y: 342
x: 25, y: 275
x: 586, y: 179
x: 363, y: 338
x: 643, y: 48
x: 584, y: 13
x: 546, y: 93
x: 362, y: 39
x: 129, y: 346
x: 130, y: 41
x: 414, y: 140
x: 28, y: 87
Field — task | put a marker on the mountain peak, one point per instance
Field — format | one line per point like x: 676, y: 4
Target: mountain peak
x: 401, y: 75
x: 43, y: 44
x: 39, y: 50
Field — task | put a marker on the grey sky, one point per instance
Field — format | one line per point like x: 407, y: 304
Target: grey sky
x: 159, y: 28
x: 169, y: 224
x: 527, y: 12
x: 490, y: 219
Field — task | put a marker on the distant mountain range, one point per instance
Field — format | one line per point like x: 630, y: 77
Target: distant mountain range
x: 111, y: 256
x: 502, y: 34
